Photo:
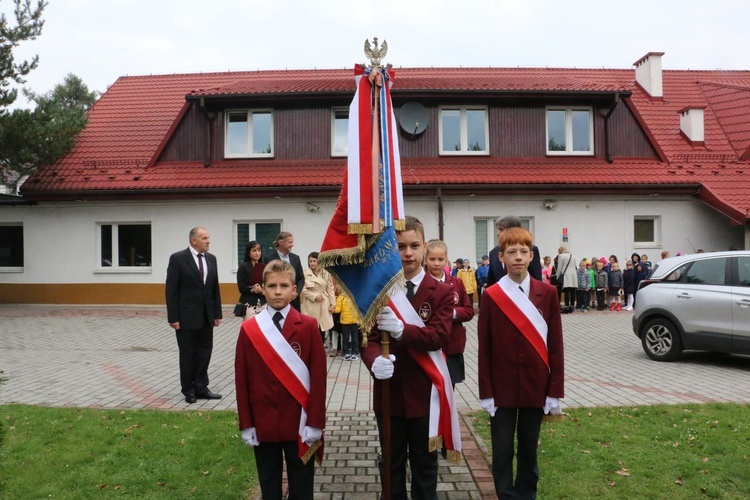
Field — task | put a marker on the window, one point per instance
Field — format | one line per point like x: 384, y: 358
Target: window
x: 647, y: 230
x: 743, y: 270
x: 463, y: 130
x: 485, y: 235
x: 124, y: 245
x: 249, y: 133
x: 11, y: 247
x: 263, y: 232
x: 340, y: 132
x: 707, y: 272
x: 570, y: 131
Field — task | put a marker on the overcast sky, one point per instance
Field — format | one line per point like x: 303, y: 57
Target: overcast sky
x: 101, y: 40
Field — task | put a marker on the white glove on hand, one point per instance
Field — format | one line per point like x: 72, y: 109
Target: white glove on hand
x: 489, y: 405
x: 382, y: 368
x: 552, y: 406
x: 311, y: 434
x: 249, y: 436
x: 389, y: 322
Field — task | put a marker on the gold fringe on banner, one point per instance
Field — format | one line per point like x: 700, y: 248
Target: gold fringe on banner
x: 435, y: 443
x: 359, y: 229
x: 399, y: 225
x: 311, y: 452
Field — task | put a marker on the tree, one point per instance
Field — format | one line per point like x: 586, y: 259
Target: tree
x: 28, y: 26
x: 30, y: 139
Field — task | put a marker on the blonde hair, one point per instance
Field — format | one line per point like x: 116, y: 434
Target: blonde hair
x: 411, y: 223
x: 279, y: 266
x: 437, y: 245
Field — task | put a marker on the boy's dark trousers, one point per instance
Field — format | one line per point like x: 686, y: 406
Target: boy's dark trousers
x: 507, y: 422
x: 269, y: 462
x: 582, y: 299
x: 600, y: 305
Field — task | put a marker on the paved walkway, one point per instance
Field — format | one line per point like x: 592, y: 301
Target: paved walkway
x: 126, y: 357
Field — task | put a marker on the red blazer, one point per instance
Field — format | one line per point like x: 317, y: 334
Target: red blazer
x: 510, y: 370
x: 262, y: 401
x: 464, y: 312
x: 410, y: 385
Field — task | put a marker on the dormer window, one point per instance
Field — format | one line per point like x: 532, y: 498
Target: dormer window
x: 249, y: 134
x: 339, y: 132
x: 464, y: 130
x: 570, y: 131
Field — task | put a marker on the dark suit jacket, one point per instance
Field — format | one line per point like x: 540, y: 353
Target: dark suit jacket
x: 262, y: 400
x: 189, y: 300
x: 247, y: 277
x: 510, y: 370
x: 497, y: 271
x: 410, y: 385
x: 294, y: 260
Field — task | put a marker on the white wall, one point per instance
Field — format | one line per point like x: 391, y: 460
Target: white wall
x: 60, y: 239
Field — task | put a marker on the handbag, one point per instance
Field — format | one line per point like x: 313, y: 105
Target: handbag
x: 561, y: 280
x: 239, y: 309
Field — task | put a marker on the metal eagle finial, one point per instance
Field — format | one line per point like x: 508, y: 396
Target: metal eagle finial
x: 374, y: 53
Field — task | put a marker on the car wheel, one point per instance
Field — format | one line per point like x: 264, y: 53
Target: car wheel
x: 661, y: 340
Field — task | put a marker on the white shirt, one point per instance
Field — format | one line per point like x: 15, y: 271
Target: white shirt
x: 525, y: 285
x: 271, y: 311
x: 283, y: 257
x: 417, y: 280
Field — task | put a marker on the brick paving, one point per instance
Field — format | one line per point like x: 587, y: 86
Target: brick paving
x: 126, y: 357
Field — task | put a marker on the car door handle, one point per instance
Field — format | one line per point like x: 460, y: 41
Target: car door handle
x: 684, y: 296
x: 744, y: 303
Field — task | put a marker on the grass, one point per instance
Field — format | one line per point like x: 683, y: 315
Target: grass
x: 72, y: 453
x: 683, y: 451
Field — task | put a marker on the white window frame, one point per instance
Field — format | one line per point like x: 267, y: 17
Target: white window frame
x: 464, y: 130
x: 251, y: 230
x: 248, y: 153
x: 340, y: 112
x: 569, y: 130
x: 116, y: 268
x: 656, y: 220
x: 15, y: 269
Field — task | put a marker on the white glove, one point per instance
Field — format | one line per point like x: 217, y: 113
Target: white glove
x: 552, y: 406
x: 311, y: 434
x: 249, y: 436
x: 489, y: 405
x: 382, y: 368
x: 389, y: 322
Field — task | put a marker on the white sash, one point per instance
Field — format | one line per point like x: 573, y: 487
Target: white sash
x: 529, y: 310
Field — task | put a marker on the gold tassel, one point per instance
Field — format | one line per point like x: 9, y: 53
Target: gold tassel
x: 453, y: 456
x: 399, y: 225
x: 359, y: 229
x: 311, y: 452
x: 435, y: 443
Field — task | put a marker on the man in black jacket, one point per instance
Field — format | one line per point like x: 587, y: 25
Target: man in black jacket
x: 284, y: 243
x: 497, y: 270
x: 193, y: 310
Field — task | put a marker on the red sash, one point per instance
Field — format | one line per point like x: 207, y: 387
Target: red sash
x: 519, y: 319
x: 295, y: 379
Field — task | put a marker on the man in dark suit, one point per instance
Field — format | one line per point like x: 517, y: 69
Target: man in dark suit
x: 497, y: 270
x: 284, y: 243
x: 193, y: 310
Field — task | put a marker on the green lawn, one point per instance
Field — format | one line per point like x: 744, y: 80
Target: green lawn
x: 683, y: 451
x: 80, y: 453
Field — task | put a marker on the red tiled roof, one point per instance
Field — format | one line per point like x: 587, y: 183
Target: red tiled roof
x: 132, y: 119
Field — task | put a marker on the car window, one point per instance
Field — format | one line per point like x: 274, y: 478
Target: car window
x: 677, y: 273
x: 743, y: 267
x: 707, y: 272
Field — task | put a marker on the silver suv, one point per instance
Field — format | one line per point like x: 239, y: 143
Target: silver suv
x: 699, y: 301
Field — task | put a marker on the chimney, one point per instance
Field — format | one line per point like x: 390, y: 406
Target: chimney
x: 648, y: 74
x: 691, y: 124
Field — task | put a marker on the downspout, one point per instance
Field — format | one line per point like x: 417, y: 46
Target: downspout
x: 439, y: 195
x: 207, y: 147
x: 606, y: 128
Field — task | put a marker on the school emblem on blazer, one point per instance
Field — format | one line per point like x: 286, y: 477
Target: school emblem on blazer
x: 296, y: 348
x: 455, y: 297
x: 425, y: 311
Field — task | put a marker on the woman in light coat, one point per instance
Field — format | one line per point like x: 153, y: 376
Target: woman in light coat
x: 566, y: 273
x: 318, y: 297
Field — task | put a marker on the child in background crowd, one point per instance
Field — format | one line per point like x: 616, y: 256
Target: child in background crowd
x: 592, y: 281
x: 601, y: 284
x: 615, y: 287
x: 628, y: 284
x: 466, y: 274
x: 582, y: 291
x: 547, y: 269
x: 349, y: 329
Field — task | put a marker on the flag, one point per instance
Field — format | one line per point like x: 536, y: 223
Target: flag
x: 360, y: 248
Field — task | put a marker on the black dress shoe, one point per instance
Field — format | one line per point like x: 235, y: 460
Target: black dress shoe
x: 208, y: 395
x: 190, y: 398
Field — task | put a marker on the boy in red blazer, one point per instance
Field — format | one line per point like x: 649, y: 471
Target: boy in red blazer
x: 436, y: 259
x: 279, y: 369
x: 521, y: 367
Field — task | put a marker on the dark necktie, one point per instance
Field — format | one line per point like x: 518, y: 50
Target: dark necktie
x: 521, y: 288
x: 277, y: 319
x: 200, y: 266
x: 409, y: 290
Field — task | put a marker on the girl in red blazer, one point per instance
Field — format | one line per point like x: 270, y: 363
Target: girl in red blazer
x: 436, y: 259
x: 520, y: 364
